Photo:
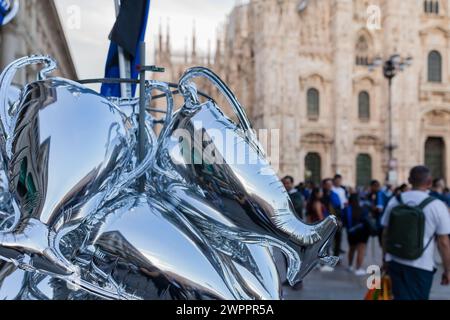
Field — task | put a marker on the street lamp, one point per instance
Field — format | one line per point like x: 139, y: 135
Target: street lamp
x: 391, y: 68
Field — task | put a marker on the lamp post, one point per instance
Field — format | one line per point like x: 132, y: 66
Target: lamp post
x: 391, y: 67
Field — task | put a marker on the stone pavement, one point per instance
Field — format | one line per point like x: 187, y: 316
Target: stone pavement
x: 344, y: 285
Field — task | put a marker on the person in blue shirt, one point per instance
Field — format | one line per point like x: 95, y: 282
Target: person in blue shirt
x: 447, y: 195
x: 330, y: 198
x: 354, y: 219
x: 306, y: 189
x: 333, y: 206
x: 377, y: 201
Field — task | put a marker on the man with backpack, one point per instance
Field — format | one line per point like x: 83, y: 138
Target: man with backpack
x: 412, y: 221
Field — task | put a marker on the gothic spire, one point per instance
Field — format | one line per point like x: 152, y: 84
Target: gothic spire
x: 160, y: 36
x: 218, y: 50
x: 209, y: 52
x: 168, y: 36
x: 194, y: 42
x: 185, y: 50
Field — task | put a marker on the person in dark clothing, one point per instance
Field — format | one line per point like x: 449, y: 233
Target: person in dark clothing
x: 437, y: 191
x: 301, y: 187
x: 315, y: 210
x: 306, y: 189
x: 299, y: 206
x: 447, y: 194
x: 354, y: 219
x: 400, y: 190
x: 295, y: 195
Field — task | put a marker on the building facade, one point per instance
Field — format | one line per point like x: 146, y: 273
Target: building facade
x: 36, y: 29
x: 305, y: 71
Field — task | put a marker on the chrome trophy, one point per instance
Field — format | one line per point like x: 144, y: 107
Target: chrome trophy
x: 216, y: 173
x: 73, y: 224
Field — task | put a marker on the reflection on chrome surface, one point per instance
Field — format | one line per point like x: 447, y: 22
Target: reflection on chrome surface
x: 73, y: 225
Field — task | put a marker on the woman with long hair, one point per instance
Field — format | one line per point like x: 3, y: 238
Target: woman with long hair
x: 315, y: 210
x: 354, y: 219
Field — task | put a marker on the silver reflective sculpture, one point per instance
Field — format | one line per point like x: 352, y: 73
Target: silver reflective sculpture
x: 216, y: 172
x: 74, y: 226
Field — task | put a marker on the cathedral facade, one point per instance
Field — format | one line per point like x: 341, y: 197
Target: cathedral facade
x: 304, y: 67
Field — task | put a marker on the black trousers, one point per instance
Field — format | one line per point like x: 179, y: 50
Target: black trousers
x: 338, y: 236
x: 410, y: 283
x: 337, y: 242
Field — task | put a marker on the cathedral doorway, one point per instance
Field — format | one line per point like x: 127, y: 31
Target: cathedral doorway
x: 435, y: 156
x: 313, y: 165
x: 363, y: 170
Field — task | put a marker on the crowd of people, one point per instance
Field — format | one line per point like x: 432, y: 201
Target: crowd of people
x: 369, y: 211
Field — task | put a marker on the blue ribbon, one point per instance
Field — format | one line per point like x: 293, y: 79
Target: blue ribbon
x: 112, y: 69
x: 5, y: 6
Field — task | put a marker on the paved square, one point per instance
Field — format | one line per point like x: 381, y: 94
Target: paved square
x: 341, y: 284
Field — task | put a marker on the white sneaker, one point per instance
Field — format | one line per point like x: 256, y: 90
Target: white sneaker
x: 360, y: 272
x: 327, y: 269
x: 351, y: 269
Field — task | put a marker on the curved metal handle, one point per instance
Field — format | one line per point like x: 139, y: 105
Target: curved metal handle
x: 219, y: 84
x: 147, y: 163
x: 165, y: 89
x: 7, y: 77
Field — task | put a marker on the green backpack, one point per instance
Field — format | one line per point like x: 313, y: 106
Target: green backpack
x: 406, y: 230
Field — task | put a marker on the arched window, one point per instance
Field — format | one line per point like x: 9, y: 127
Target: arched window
x: 313, y: 103
x: 363, y: 170
x: 362, y: 51
x: 427, y: 6
x: 364, y: 105
x: 434, y: 67
x: 431, y: 6
x: 313, y: 165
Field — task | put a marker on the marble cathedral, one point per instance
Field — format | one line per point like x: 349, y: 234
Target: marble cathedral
x: 303, y: 67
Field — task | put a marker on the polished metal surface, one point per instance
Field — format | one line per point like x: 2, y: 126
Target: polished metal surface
x: 73, y: 226
x: 216, y: 172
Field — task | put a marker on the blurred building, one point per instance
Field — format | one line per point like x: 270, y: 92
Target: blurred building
x: 36, y: 29
x: 302, y: 67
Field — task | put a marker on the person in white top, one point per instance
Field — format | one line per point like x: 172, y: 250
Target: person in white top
x: 412, y: 279
x: 341, y: 193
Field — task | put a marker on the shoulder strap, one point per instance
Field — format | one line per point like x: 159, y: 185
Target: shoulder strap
x: 422, y: 206
x: 429, y: 241
x: 425, y: 202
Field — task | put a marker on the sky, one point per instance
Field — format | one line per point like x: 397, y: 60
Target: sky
x: 87, y: 24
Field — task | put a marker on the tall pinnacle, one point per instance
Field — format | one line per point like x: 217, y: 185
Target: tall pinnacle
x: 160, y: 37
x: 194, y: 42
x: 168, y: 36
